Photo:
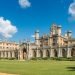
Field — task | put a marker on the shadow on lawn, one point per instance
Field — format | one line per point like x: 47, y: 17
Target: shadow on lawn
x: 71, y: 68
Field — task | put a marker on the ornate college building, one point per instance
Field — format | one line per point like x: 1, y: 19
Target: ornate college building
x: 52, y: 45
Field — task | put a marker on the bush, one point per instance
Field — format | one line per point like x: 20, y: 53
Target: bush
x: 33, y: 58
x: 54, y: 58
x: 5, y: 58
x: 11, y: 58
x: 71, y: 59
x: 36, y: 58
x: 45, y: 58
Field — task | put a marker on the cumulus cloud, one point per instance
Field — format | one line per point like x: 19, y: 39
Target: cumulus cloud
x: 72, y: 10
x: 6, y: 28
x: 24, y: 3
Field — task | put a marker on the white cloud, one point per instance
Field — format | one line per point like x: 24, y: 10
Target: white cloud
x: 72, y: 11
x: 24, y: 3
x: 6, y: 28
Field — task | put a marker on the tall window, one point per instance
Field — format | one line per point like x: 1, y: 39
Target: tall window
x: 53, y: 44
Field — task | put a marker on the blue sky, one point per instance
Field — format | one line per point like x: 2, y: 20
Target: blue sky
x: 39, y: 14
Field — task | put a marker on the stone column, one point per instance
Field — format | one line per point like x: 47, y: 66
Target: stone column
x: 68, y: 52
x: 59, y: 52
x: 44, y: 53
x: 21, y: 55
x: 1, y: 54
x: 52, y: 52
x: 30, y: 53
x: 38, y: 54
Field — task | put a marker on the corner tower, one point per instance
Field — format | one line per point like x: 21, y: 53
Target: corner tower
x: 37, y: 42
x: 59, y: 30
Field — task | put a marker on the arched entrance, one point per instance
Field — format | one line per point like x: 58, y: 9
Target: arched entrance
x: 73, y: 52
x: 41, y: 54
x: 55, y: 53
x: 34, y: 54
x: 16, y: 54
x: 24, y: 53
x: 64, y: 53
x: 47, y: 53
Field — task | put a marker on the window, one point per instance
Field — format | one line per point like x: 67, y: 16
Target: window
x: 53, y: 44
x: 7, y: 47
x: 7, y: 43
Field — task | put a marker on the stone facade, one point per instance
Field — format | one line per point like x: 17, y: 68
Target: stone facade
x: 8, y: 49
x: 51, y: 45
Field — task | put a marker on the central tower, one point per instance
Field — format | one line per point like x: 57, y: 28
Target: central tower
x: 55, y: 40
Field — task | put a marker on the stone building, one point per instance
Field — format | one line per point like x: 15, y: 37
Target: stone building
x: 52, y: 45
x: 8, y: 49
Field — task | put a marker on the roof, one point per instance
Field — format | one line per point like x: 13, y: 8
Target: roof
x: 72, y: 39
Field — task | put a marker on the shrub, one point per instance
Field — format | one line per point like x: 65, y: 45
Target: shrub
x: 33, y: 58
x: 45, y: 58
x: 12, y: 58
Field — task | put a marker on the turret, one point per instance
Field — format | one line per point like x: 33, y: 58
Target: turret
x: 65, y: 35
x: 53, y: 29
x: 69, y: 34
x: 59, y: 30
x: 37, y: 37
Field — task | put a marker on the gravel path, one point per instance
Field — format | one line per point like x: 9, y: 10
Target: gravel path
x: 6, y: 74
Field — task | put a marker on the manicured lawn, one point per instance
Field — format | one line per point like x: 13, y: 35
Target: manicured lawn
x: 40, y: 67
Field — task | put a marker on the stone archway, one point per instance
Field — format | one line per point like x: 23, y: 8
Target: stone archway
x: 64, y: 53
x: 41, y: 53
x: 15, y: 53
x: 73, y: 52
x: 24, y: 53
x: 47, y: 53
x: 55, y: 53
x: 34, y: 54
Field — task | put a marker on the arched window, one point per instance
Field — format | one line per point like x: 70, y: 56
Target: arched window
x: 24, y: 50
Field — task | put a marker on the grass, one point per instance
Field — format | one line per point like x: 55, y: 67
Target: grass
x: 39, y: 67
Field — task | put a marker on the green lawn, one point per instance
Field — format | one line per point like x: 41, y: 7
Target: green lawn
x: 40, y: 67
